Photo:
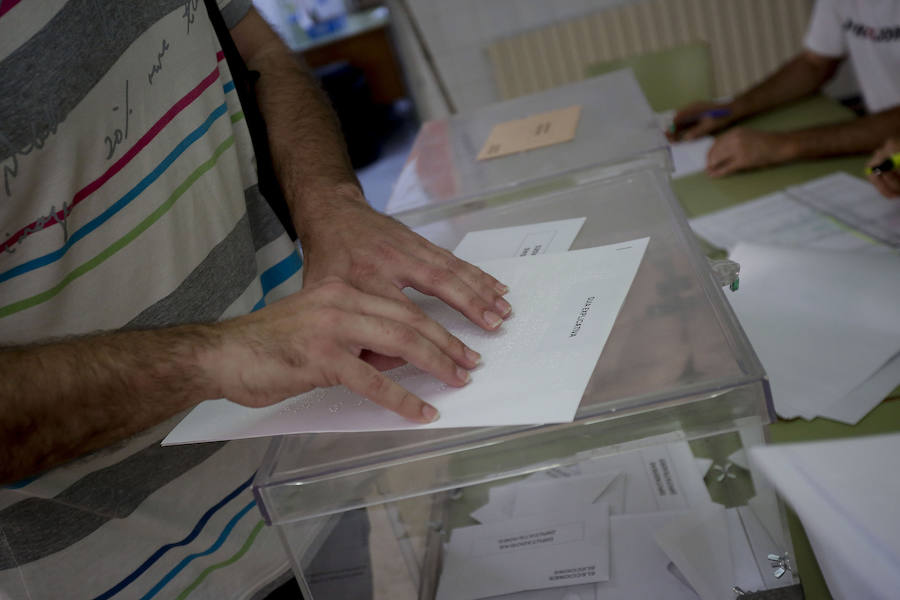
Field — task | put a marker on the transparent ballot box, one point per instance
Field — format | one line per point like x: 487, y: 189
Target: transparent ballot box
x: 616, y: 127
x: 658, y: 440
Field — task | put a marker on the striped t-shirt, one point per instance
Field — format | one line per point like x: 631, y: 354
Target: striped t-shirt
x: 128, y: 198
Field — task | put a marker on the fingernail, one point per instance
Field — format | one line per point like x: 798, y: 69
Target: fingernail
x: 500, y: 288
x: 493, y: 319
x: 430, y: 413
x: 463, y: 374
x: 472, y: 355
x: 503, y: 306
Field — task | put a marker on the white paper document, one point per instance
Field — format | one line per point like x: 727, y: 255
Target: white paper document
x: 651, y: 479
x: 534, y: 368
x: 690, y: 157
x: 567, y: 496
x: 854, y: 202
x: 587, y: 591
x: 552, y: 550
x: 845, y: 493
x: 639, y: 569
x: 522, y: 240
x: 698, y: 544
x: 778, y: 219
x: 821, y: 322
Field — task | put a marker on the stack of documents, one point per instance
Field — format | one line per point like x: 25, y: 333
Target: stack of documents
x: 639, y: 524
x: 818, y: 298
x: 845, y: 492
x: 855, y: 203
x: 826, y: 326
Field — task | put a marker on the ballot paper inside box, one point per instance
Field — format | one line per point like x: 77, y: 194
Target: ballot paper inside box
x: 676, y: 382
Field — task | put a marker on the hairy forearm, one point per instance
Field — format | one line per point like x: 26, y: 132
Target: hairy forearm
x: 799, y: 77
x: 305, y: 137
x: 853, y: 137
x: 62, y: 399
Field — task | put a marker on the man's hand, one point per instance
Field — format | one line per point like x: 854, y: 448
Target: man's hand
x: 741, y: 149
x: 331, y: 333
x: 381, y: 256
x: 886, y: 182
x: 699, y: 119
x: 340, y: 234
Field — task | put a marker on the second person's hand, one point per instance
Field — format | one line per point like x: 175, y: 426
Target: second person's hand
x: 740, y: 149
x: 699, y: 119
x: 886, y: 182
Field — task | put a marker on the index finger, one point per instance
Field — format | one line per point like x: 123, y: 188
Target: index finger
x: 365, y: 380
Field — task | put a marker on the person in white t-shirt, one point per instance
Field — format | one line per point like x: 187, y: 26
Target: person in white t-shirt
x: 866, y: 31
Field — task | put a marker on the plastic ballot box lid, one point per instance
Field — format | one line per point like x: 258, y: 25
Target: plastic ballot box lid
x: 497, y: 148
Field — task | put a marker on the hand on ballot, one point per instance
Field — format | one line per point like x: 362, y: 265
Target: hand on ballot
x: 886, y: 181
x: 741, y: 149
x: 381, y: 256
x: 330, y: 333
x: 699, y: 119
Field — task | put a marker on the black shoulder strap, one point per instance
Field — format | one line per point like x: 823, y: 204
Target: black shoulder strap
x: 244, y: 81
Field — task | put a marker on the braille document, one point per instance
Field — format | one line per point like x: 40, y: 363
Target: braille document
x: 551, y: 550
x: 534, y: 368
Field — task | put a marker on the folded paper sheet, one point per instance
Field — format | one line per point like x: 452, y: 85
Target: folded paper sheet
x: 552, y: 550
x: 534, y: 369
x: 823, y: 322
x: 845, y: 493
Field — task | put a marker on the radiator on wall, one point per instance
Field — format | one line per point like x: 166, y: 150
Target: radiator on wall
x: 747, y: 39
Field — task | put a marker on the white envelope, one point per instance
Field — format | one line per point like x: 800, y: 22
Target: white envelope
x: 568, y: 494
x: 552, y: 550
x: 698, y: 543
x: 639, y: 569
x: 519, y: 241
x: 501, y: 500
x: 587, y: 591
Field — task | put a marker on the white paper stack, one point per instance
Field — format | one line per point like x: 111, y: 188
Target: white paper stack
x: 854, y: 202
x: 666, y: 539
x: 780, y: 219
x: 845, y: 492
x: 825, y: 324
x: 819, y: 282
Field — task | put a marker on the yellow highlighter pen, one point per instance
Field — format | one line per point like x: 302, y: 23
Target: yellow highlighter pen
x: 888, y: 164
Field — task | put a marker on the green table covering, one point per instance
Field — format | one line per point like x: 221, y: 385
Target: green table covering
x: 700, y: 194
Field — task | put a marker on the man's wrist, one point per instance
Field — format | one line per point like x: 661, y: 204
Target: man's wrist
x: 740, y: 108
x: 322, y: 202
x: 790, y: 146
